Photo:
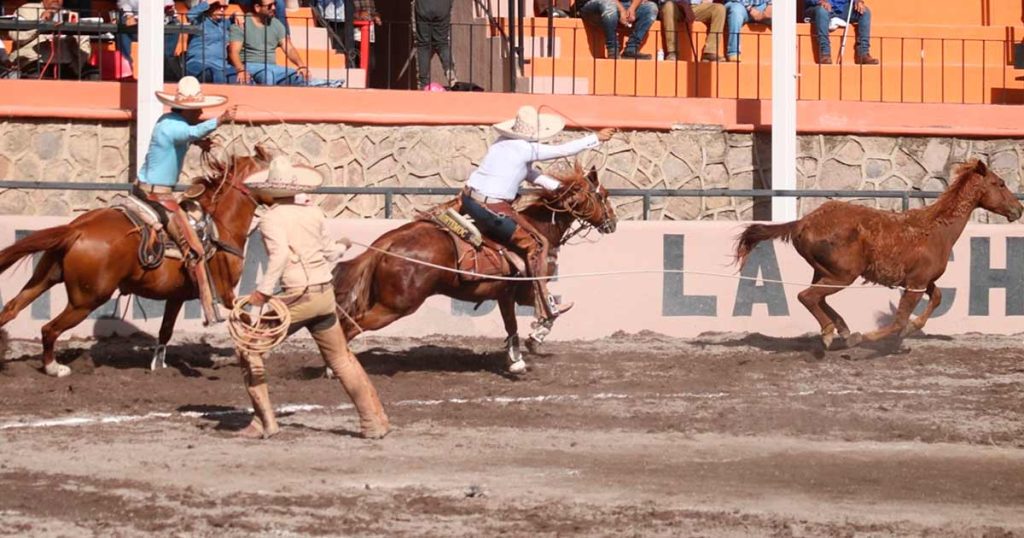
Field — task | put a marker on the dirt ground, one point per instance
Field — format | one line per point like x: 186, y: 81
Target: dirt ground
x: 724, y: 435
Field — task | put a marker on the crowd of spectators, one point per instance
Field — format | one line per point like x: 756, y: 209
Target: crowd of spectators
x: 242, y: 48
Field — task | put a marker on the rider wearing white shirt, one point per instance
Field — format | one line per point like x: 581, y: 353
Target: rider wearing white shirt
x: 495, y: 184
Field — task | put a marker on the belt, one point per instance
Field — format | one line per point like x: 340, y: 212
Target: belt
x: 154, y: 189
x: 485, y: 199
x: 312, y: 288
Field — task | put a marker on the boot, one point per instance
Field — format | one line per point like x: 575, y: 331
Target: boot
x: 264, y: 423
x: 373, y: 423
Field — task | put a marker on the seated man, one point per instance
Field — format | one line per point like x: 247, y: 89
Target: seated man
x: 738, y: 13
x: 820, y: 12
x: 636, y: 15
x: 37, y: 54
x: 252, y: 49
x: 207, y: 54
x: 705, y: 11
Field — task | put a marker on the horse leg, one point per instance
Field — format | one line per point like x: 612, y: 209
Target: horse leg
x: 171, y: 310
x: 907, y: 303
x: 71, y: 316
x: 934, y: 299
x: 850, y: 339
x: 813, y: 298
x: 507, y: 305
x: 264, y: 423
x: 46, y: 275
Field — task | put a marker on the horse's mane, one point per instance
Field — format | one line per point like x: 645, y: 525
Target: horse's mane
x: 957, y: 197
x: 571, y: 180
x: 233, y: 164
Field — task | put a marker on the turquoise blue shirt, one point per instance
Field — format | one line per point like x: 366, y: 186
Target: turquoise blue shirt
x: 171, y: 138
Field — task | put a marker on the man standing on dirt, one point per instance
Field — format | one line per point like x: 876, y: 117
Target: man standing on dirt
x: 296, y: 239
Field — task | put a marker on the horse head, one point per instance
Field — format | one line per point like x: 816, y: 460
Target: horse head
x: 992, y: 192
x: 225, y: 180
x: 583, y: 197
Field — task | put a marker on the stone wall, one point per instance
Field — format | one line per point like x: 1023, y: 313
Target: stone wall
x: 444, y: 156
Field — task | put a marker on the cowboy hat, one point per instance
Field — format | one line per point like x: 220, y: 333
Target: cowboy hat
x: 530, y: 125
x: 190, y: 96
x: 283, y: 179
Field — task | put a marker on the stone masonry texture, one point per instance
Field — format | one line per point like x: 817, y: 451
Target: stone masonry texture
x: 439, y: 156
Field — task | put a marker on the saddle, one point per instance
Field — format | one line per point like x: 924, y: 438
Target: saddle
x: 157, y: 243
x: 473, y: 251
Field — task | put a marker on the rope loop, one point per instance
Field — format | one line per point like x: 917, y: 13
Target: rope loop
x: 262, y: 332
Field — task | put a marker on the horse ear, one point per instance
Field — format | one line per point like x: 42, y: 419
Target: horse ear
x: 263, y: 154
x: 592, y: 175
x: 980, y: 168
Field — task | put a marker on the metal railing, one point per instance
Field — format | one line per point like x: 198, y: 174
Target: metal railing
x: 534, y: 56
x: 647, y: 195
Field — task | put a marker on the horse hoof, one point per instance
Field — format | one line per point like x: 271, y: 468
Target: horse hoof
x: 517, y: 367
x: 854, y: 340
x: 532, y: 346
x: 328, y: 373
x: 826, y: 340
x: 56, y: 369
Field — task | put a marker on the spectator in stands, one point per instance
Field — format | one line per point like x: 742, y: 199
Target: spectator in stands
x: 636, y: 15
x: 820, y: 12
x: 738, y: 13
x: 252, y: 49
x: 433, y: 33
x: 207, y: 54
x: 280, y: 11
x: 367, y: 10
x: 42, y: 54
x: 688, y: 11
x: 129, y: 10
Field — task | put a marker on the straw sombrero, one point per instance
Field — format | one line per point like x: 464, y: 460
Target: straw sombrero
x: 284, y: 179
x: 530, y: 125
x: 190, y: 96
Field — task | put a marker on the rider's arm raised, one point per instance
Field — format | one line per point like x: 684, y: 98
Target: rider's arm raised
x: 276, y: 240
x: 544, y: 152
x: 183, y: 132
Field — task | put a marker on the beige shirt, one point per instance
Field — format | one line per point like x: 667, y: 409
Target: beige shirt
x: 31, y: 46
x: 299, y: 251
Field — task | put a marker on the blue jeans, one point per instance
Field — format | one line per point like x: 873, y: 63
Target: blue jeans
x: 819, y: 22
x: 274, y: 75
x: 124, y: 42
x: 605, y: 14
x: 735, y: 17
x: 216, y: 74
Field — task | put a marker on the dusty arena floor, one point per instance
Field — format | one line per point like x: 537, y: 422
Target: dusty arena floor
x: 726, y: 435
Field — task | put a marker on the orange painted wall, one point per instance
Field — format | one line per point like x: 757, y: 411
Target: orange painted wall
x: 114, y: 101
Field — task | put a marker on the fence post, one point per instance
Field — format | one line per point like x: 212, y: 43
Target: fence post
x: 647, y: 206
x: 389, y: 199
x: 906, y: 200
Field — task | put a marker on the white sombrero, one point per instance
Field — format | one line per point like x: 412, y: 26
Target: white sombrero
x: 284, y: 179
x: 530, y: 125
x: 190, y: 96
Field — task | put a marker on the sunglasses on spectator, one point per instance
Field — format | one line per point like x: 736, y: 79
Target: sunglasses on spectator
x: 269, y: 6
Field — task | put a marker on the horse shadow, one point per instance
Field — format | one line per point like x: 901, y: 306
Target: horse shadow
x: 431, y: 358
x: 122, y: 345
x: 811, y: 344
x: 229, y: 420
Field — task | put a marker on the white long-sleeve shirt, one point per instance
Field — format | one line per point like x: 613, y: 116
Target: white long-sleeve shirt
x: 507, y: 164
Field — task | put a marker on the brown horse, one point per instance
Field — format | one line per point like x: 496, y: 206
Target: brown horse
x: 909, y: 250
x: 96, y: 254
x: 375, y: 289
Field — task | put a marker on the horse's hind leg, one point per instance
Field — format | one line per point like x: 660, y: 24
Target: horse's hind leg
x: 71, y: 316
x: 46, y: 275
x: 908, y: 301
x: 813, y: 298
x: 934, y: 299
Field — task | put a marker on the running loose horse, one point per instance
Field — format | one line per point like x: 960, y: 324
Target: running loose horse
x: 910, y: 250
x: 375, y: 289
x: 96, y: 254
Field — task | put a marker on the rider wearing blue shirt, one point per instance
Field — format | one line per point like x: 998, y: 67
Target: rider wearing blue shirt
x: 207, y: 54
x: 171, y: 137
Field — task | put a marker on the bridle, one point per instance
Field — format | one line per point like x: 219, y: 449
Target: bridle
x: 233, y: 182
x: 581, y: 208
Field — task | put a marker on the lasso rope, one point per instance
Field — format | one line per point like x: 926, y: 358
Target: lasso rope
x: 260, y: 332
x: 562, y: 276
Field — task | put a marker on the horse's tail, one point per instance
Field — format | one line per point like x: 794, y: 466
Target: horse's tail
x: 58, y: 237
x: 755, y: 233
x: 353, y: 283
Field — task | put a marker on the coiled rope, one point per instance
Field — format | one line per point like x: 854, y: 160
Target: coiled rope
x: 258, y: 332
